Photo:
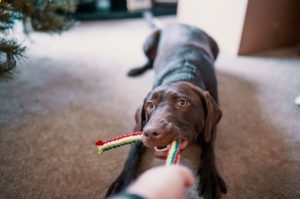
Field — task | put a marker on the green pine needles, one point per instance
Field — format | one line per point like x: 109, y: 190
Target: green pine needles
x: 52, y: 16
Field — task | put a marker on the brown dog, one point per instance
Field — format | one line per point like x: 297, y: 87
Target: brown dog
x: 182, y: 106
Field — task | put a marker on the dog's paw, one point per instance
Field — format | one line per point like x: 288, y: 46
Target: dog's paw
x: 116, y: 187
x: 212, y: 185
x: 222, y: 184
x: 113, y: 189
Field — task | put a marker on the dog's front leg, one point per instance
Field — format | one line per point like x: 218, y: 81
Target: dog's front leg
x: 129, y: 172
x: 211, y: 183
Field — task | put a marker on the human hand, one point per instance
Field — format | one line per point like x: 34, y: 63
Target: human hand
x: 167, y: 182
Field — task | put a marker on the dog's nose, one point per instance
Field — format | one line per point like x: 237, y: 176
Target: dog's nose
x: 153, y: 132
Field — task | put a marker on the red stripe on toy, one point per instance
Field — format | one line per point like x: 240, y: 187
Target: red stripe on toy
x: 99, y: 143
x: 176, y: 160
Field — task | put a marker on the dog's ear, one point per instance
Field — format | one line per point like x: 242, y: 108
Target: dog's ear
x: 140, y: 119
x: 214, y: 47
x: 213, y: 115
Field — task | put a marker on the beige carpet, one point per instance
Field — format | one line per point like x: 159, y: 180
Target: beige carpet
x: 72, y: 89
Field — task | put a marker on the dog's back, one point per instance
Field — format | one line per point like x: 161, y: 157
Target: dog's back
x: 175, y: 36
x: 186, y: 53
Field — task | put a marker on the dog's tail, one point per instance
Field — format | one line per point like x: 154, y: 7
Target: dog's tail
x: 149, y: 46
x: 139, y: 70
x: 153, y: 22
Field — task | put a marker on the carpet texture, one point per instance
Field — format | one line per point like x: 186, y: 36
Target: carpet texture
x: 72, y: 89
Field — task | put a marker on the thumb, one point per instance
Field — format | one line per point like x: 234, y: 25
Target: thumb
x: 188, y: 178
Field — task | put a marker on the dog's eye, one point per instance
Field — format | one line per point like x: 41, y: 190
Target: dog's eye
x: 182, y: 102
x: 149, y: 106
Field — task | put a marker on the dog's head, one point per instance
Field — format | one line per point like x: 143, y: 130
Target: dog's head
x: 179, y: 111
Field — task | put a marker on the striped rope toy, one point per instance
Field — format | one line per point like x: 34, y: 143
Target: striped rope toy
x: 173, y: 154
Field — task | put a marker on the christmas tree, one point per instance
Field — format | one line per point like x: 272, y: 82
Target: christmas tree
x: 51, y: 16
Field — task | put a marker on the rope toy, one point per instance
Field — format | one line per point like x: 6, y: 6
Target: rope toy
x: 173, y: 154
x: 119, y: 141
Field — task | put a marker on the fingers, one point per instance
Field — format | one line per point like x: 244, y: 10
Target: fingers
x: 188, y: 178
x: 178, y: 179
x: 184, y: 173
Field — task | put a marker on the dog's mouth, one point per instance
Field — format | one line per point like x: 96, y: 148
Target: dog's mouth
x: 162, y: 151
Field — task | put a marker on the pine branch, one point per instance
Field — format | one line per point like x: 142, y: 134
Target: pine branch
x: 7, y: 67
x: 10, y: 46
x: 47, y: 16
x: 52, y: 16
x: 10, y: 51
x: 51, y: 22
x: 7, y: 16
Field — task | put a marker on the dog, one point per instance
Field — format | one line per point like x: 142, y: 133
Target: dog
x: 183, y: 106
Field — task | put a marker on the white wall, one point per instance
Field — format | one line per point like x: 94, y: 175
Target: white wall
x: 222, y: 19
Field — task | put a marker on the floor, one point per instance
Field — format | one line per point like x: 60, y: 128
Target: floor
x: 72, y: 89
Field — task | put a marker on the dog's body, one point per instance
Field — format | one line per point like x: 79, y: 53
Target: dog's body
x: 179, y: 107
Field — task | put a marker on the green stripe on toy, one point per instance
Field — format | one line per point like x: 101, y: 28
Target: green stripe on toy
x: 173, y: 154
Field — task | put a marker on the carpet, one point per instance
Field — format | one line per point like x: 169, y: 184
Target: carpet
x: 72, y: 89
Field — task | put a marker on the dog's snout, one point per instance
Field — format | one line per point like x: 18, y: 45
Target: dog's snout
x: 151, y: 131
